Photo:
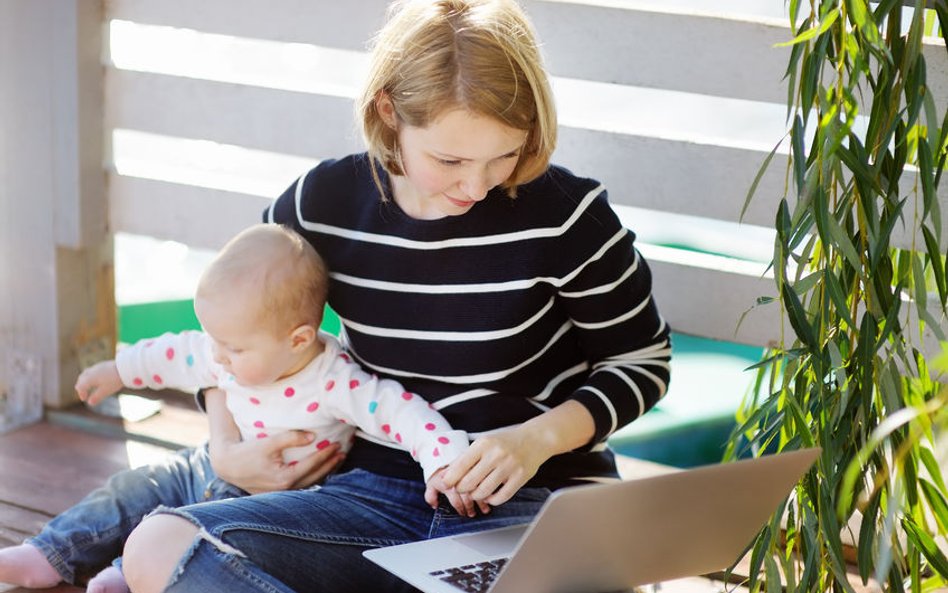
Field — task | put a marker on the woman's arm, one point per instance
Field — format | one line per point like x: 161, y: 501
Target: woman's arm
x: 257, y: 466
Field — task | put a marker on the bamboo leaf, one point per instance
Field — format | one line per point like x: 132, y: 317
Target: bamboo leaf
x: 812, y: 32
x: 837, y: 297
x: 757, y: 178
x: 843, y: 243
x: 926, y: 544
x: 774, y: 583
x: 926, y: 174
x: 867, y: 537
x: 934, y: 470
x: 798, y: 318
x: 936, y: 502
x: 938, y: 270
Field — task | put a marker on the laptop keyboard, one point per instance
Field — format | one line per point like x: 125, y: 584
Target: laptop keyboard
x: 473, y: 578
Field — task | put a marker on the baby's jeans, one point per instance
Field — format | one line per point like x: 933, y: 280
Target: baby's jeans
x: 312, y: 540
x: 89, y: 536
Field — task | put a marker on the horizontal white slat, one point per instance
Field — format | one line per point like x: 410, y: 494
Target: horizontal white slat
x: 261, y: 118
x: 695, y: 53
x: 710, y: 303
x: 700, y: 53
x: 199, y: 217
x: 332, y: 24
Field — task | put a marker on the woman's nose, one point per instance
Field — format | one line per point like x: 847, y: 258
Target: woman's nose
x: 476, y: 185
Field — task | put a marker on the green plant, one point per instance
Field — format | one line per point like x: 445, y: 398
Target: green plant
x: 867, y: 152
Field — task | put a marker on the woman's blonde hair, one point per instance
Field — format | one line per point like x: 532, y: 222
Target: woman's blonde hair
x: 280, y: 267
x: 478, y: 55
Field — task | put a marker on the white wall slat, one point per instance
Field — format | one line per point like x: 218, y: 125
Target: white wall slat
x: 200, y: 217
x: 333, y: 24
x: 266, y: 119
x: 694, y: 53
x: 678, y: 176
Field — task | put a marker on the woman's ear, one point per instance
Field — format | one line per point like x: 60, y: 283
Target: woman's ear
x: 302, y: 337
x: 386, y: 110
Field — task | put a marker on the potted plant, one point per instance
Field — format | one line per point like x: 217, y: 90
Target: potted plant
x: 859, y: 263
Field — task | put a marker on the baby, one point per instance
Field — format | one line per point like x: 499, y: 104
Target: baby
x: 260, y: 303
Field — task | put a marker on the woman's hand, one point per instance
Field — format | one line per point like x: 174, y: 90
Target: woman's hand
x: 257, y: 466
x: 497, y: 465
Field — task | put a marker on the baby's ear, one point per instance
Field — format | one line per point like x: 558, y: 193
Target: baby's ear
x: 302, y: 336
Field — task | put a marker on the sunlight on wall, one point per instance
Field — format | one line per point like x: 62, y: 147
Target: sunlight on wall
x: 312, y: 69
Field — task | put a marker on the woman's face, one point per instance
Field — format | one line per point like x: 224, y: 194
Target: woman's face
x: 451, y: 164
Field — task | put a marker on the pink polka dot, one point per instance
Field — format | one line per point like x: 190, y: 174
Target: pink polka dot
x: 289, y: 392
x: 398, y: 437
x: 414, y: 454
x: 406, y: 396
x: 255, y: 401
x: 292, y: 463
x: 261, y: 435
x: 353, y: 384
x: 137, y: 381
x: 430, y: 426
x: 444, y: 440
x: 386, y: 428
x: 330, y: 384
x: 435, y: 453
x: 312, y: 407
x: 322, y: 444
x: 157, y: 379
x: 345, y: 357
x: 258, y: 424
x: 169, y: 353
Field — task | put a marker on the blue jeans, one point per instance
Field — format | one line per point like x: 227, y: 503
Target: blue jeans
x: 85, y: 538
x: 312, y: 540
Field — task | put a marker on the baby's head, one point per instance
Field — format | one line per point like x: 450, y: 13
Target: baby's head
x: 261, y: 300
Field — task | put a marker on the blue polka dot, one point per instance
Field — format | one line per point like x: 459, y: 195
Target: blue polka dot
x: 373, y: 406
x: 190, y: 360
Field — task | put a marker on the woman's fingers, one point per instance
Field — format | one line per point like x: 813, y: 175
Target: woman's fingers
x: 314, y: 468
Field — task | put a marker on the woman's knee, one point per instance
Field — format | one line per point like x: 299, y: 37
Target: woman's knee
x: 154, y: 550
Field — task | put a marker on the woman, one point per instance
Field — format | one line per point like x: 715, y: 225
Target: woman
x: 502, y: 289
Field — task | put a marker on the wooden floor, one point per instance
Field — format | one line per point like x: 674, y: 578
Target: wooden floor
x: 47, y: 467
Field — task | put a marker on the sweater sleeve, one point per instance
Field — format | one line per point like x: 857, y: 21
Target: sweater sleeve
x: 607, y: 293
x: 383, y: 409
x: 175, y: 361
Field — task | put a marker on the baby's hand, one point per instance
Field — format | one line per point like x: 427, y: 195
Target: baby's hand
x: 98, y: 382
x: 462, y: 503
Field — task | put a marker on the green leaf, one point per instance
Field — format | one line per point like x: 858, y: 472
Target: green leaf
x: 757, y: 178
x: 867, y: 537
x: 837, y: 297
x: 934, y: 470
x: 798, y: 319
x: 926, y: 544
x: 774, y: 582
x: 826, y: 23
x: 936, y: 503
x: 934, y: 257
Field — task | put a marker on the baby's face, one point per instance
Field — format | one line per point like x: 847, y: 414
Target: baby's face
x: 252, y: 353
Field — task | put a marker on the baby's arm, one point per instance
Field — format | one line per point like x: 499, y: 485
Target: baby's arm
x: 99, y: 382
x: 383, y: 409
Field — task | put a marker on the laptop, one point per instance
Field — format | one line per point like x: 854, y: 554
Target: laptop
x: 610, y: 537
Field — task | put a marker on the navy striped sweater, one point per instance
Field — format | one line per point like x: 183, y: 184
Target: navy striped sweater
x: 494, y: 316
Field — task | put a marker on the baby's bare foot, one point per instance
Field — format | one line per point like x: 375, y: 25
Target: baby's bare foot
x: 26, y: 566
x: 110, y: 580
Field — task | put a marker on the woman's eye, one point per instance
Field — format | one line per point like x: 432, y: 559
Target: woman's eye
x: 449, y: 163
